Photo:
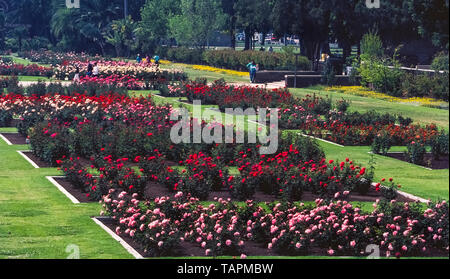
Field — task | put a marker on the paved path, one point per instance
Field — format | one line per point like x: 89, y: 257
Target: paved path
x: 28, y: 83
x: 272, y: 85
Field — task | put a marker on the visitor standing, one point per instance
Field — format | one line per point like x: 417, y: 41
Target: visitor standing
x: 90, y: 68
x: 138, y: 59
x: 156, y: 58
x: 252, y: 69
x: 76, y: 78
x: 95, y: 71
x: 270, y: 49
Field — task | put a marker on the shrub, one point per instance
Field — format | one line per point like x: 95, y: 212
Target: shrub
x: 416, y: 152
x: 440, y: 145
x: 372, y: 45
x: 5, y: 118
x: 377, y: 75
x: 342, y: 105
x: 381, y: 144
x: 440, y: 62
x: 39, y: 89
x: 424, y: 85
x: 236, y: 60
x: 49, y: 142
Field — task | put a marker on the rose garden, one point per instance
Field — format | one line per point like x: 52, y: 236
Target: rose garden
x: 93, y: 162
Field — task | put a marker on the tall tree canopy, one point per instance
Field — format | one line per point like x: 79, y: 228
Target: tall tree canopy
x: 94, y: 26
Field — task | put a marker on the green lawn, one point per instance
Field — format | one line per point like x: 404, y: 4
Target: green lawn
x: 23, y: 61
x: 420, y: 114
x: 38, y: 221
x: 34, y: 78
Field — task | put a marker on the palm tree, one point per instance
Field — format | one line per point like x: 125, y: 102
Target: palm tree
x: 78, y: 28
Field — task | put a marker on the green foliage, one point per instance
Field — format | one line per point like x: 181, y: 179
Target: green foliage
x: 424, y: 85
x: 196, y: 22
x: 372, y: 46
x: 416, y: 152
x: 440, y: 62
x: 378, y: 75
x: 121, y: 35
x: 381, y: 144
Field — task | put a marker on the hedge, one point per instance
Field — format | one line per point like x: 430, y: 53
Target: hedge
x: 235, y: 60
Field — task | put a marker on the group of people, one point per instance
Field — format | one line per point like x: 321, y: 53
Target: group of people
x: 92, y: 71
x: 147, y: 60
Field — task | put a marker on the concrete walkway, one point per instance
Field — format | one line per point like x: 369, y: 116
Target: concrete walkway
x: 272, y: 85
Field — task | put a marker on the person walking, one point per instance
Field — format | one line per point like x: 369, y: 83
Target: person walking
x: 156, y: 58
x: 95, y: 71
x: 252, y: 69
x: 76, y: 78
x: 138, y: 59
x: 90, y: 68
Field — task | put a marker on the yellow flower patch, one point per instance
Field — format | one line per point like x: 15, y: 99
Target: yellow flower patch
x: 364, y: 92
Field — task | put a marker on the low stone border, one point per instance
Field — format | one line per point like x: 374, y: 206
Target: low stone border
x: 407, y: 195
x: 21, y: 152
x: 5, y: 139
x: 330, y: 142
x: 122, y: 242
x: 61, y: 188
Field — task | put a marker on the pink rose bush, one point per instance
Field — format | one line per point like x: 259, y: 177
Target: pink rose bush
x: 333, y: 228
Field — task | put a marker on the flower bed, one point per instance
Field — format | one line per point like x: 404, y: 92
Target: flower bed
x: 326, y: 228
x: 96, y: 128
x: 55, y: 58
x: 141, y: 72
x: 11, y: 69
x: 116, y: 80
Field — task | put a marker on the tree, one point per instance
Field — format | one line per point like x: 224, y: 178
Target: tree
x: 312, y: 27
x: 197, y: 22
x: 81, y: 29
x: 121, y: 35
x: 245, y: 19
x: 230, y: 21
x: 346, y: 24
x: 432, y: 20
x: 283, y: 17
x: 263, y: 21
x: 153, y: 29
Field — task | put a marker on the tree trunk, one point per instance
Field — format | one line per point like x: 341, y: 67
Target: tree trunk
x: 233, y: 32
x: 247, y: 39
x: 346, y: 51
x: 302, y: 48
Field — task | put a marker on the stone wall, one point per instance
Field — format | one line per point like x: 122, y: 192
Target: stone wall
x: 273, y: 76
x: 309, y: 80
